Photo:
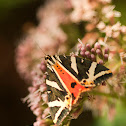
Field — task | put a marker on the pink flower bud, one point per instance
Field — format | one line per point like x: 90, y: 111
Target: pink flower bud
x: 88, y: 54
x: 40, y: 123
x: 45, y: 97
x: 42, y: 63
x: 44, y: 76
x: 93, y: 50
x: 106, y: 50
x: 93, y: 58
x: 101, y: 62
x: 106, y: 56
x: 32, y: 89
x: 88, y: 46
x: 97, y: 45
x: 43, y: 67
x: 79, y: 46
x: 37, y: 111
x: 83, y: 49
x: 98, y: 51
x: 82, y: 53
x: 45, y: 113
x: 43, y: 88
x: 34, y: 106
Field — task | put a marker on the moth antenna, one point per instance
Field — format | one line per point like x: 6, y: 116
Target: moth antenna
x: 42, y: 57
x: 41, y: 49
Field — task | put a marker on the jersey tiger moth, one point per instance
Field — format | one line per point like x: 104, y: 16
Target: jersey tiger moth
x: 67, y: 78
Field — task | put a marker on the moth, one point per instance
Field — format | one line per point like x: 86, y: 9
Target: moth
x: 67, y: 78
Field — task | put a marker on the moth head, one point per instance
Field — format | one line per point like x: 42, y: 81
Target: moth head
x: 87, y: 83
x: 47, y: 57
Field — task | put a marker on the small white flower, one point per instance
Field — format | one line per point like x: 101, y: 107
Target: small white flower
x: 116, y: 27
x: 101, y: 25
x: 44, y: 97
x: 123, y: 29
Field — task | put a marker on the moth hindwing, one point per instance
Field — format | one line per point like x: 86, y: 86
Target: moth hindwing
x: 67, y: 78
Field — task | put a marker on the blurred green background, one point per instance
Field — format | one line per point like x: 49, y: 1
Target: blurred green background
x: 13, y: 14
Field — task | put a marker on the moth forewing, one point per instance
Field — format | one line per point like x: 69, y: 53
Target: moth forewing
x: 59, y: 100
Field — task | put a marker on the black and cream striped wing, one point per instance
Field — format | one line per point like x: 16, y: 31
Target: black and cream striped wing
x: 85, y: 69
x: 57, y: 97
x: 58, y: 94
